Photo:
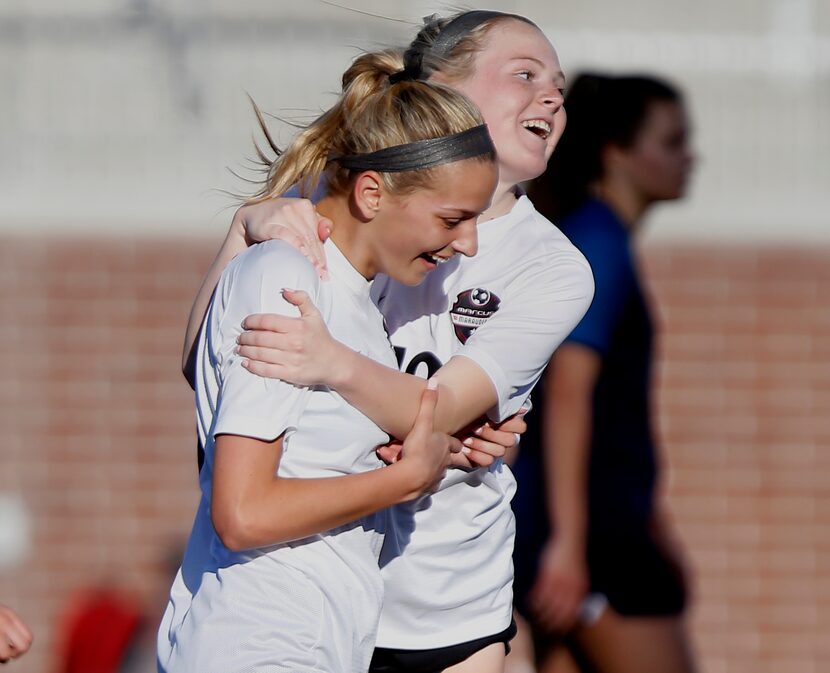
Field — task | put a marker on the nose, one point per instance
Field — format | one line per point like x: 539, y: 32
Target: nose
x: 690, y: 158
x: 551, y: 97
x: 466, y: 241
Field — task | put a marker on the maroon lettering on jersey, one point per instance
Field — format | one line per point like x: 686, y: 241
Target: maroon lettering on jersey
x: 471, y: 309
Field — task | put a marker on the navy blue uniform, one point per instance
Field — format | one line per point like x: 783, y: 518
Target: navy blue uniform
x: 624, y: 563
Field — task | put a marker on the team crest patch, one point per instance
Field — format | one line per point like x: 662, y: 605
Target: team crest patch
x: 471, y: 309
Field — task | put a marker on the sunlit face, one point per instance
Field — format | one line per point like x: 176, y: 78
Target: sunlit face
x: 517, y: 84
x: 415, y: 233
x: 660, y: 160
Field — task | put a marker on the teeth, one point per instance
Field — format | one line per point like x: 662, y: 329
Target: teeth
x: 436, y: 260
x: 540, y: 124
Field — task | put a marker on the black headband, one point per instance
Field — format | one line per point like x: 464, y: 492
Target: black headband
x: 422, y: 153
x: 458, y: 28
x: 444, y: 43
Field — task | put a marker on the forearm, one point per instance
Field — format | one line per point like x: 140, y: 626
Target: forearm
x: 568, y: 428
x: 233, y: 244
x: 287, y: 509
x: 391, y: 398
x: 566, y: 468
x: 387, y: 396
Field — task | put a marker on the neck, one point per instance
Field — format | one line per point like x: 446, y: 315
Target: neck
x: 503, y: 201
x: 624, y: 201
x: 348, y: 235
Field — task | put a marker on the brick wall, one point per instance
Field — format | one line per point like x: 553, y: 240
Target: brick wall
x: 99, y: 436
x: 744, y: 402
x: 101, y: 431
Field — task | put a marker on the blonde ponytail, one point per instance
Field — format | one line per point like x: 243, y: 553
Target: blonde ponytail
x: 372, y: 113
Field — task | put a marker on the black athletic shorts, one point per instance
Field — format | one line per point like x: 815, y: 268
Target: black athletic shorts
x: 386, y: 660
x: 635, y: 576
x: 628, y: 568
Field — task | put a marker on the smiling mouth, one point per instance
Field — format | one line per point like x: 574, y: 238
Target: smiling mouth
x: 538, y: 127
x: 434, y: 259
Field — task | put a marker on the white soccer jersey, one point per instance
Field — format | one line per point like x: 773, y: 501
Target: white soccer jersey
x: 308, y: 605
x: 448, y: 570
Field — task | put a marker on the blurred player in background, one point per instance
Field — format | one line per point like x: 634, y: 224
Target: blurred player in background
x: 599, y: 571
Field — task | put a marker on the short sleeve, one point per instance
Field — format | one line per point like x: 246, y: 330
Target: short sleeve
x: 248, y: 404
x: 608, y: 255
x: 513, y: 347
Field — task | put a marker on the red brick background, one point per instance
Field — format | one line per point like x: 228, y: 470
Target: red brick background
x: 99, y: 439
x: 745, y: 418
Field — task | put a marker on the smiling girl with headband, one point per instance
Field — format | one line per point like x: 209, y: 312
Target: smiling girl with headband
x: 281, y: 571
x: 483, y: 327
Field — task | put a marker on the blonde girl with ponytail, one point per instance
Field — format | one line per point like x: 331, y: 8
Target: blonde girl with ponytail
x: 281, y: 570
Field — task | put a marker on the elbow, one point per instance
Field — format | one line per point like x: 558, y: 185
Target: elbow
x: 233, y: 541
x: 233, y: 527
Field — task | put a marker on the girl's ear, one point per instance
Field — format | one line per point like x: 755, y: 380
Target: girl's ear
x: 367, y: 193
x: 613, y: 158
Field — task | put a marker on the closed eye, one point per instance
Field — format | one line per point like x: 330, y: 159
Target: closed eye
x: 450, y: 222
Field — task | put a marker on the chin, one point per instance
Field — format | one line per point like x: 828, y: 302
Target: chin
x: 415, y: 280
x: 409, y: 278
x: 672, y: 194
x: 530, y: 169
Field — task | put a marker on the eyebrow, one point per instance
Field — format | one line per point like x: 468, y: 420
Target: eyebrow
x: 558, y: 75
x: 454, y: 211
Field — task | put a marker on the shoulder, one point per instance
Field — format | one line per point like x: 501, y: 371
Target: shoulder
x: 597, y: 232
x: 538, y: 236
x: 548, y: 257
x: 276, y: 262
x: 603, y: 239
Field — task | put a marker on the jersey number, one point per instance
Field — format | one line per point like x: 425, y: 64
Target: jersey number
x: 433, y: 364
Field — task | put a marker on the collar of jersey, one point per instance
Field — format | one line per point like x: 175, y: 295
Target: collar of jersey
x: 342, y: 271
x: 492, y: 231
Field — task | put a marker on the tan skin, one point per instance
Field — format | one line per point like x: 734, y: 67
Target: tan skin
x: 252, y: 506
x: 654, y: 168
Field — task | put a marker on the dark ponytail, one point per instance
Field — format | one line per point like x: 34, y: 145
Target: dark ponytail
x: 602, y: 110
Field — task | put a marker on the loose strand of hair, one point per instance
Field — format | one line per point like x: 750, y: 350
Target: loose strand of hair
x: 264, y: 128
x: 365, y: 13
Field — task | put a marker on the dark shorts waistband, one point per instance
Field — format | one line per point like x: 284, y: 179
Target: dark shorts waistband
x: 388, y: 660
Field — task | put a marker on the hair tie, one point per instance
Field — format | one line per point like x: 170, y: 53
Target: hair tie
x: 412, y: 68
x: 404, y: 75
